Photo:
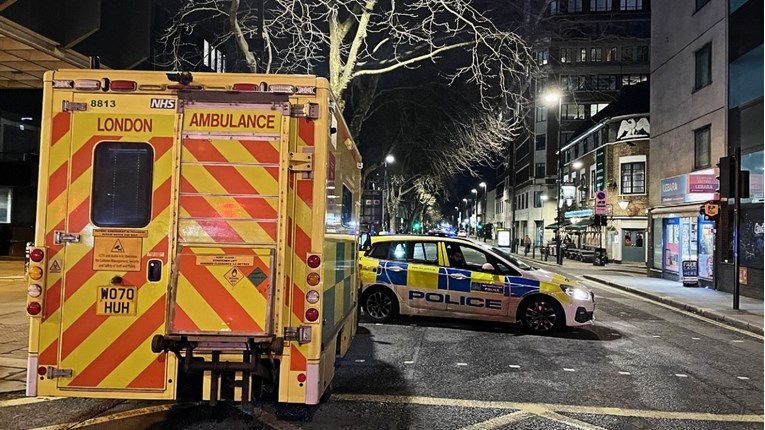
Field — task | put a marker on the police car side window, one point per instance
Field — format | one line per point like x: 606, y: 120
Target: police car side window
x: 398, y: 251
x: 379, y: 250
x: 425, y: 252
x: 474, y: 258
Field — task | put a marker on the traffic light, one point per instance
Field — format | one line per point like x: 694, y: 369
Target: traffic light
x: 726, y: 177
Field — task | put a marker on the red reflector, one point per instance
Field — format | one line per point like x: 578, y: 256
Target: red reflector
x: 34, y: 308
x: 42, y: 370
x: 245, y: 87
x: 314, y: 261
x: 37, y: 255
x: 123, y: 85
x: 311, y: 315
x: 301, y: 377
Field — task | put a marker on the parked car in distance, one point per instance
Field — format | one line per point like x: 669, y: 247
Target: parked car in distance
x: 461, y: 278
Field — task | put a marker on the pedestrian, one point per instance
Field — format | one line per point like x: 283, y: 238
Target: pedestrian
x: 639, y: 240
x: 527, y: 244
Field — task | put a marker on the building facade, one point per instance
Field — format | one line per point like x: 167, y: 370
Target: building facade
x: 706, y: 100
x: 587, y: 51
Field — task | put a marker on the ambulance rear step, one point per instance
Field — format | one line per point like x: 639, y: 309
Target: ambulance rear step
x: 250, y: 348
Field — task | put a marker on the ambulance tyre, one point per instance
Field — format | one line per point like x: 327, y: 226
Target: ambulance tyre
x: 380, y: 304
x: 541, y: 314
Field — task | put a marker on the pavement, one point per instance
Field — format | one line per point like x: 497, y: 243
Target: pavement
x: 14, y: 326
x: 708, y: 302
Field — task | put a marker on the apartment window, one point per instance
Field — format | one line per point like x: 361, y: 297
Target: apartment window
x: 122, y: 178
x: 541, y: 142
x: 628, y: 54
x: 213, y: 58
x: 633, y: 79
x: 581, y: 55
x: 541, y: 114
x: 572, y: 111
x: 600, y: 5
x: 643, y: 54
x: 611, y: 54
x: 596, y: 55
x: 631, y: 4
x: 5, y: 205
x: 566, y: 55
x: 704, y: 66
x: 541, y: 85
x: 542, y: 57
x: 537, y: 199
x: 554, y: 7
x: 701, y: 3
x: 539, y: 170
x: 603, y: 82
x: 597, y: 107
x: 574, y: 6
x: 633, y: 177
x: 702, y: 147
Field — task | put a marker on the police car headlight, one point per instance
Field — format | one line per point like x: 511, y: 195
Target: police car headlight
x: 575, y: 293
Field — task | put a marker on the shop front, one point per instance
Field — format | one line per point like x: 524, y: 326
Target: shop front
x: 679, y: 233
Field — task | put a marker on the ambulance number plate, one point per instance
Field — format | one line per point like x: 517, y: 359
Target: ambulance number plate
x: 117, y: 300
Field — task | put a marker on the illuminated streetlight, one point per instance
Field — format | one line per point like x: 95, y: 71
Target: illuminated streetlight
x: 576, y: 164
x: 389, y: 159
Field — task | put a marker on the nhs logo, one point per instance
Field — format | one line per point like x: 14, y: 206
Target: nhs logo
x: 162, y: 103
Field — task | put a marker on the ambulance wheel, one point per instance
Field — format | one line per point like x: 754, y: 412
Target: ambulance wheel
x: 380, y: 304
x: 541, y: 315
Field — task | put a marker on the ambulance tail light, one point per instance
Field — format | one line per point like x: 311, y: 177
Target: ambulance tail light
x: 35, y: 273
x: 37, y: 255
x: 313, y: 279
x: 87, y: 84
x: 123, y: 85
x: 313, y: 261
x: 312, y: 297
x: 34, y: 290
x: 245, y: 87
x: 35, y: 308
x: 311, y: 315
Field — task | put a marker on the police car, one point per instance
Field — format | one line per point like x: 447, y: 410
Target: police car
x: 455, y: 277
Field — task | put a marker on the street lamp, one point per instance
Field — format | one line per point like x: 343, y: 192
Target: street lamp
x: 474, y: 217
x: 550, y: 98
x: 484, y: 203
x: 389, y: 159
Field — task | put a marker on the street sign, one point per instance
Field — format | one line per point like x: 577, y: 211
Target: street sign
x: 601, y: 208
x: 711, y: 209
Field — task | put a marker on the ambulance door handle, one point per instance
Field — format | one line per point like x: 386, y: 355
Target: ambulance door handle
x: 154, y: 272
x: 395, y: 269
x: 458, y: 276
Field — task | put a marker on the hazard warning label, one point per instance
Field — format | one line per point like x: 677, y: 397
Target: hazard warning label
x: 120, y: 253
x: 233, y: 276
x: 55, y: 267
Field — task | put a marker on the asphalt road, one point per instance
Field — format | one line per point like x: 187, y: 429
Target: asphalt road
x: 639, y: 366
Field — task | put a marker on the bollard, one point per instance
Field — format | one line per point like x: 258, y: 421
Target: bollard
x: 533, y: 252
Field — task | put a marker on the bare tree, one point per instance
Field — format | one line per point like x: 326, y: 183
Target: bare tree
x: 359, y: 38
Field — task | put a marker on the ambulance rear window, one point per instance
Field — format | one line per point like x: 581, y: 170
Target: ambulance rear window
x: 122, y: 177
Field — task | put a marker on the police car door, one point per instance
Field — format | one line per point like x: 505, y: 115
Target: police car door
x: 475, y: 288
x: 426, y: 280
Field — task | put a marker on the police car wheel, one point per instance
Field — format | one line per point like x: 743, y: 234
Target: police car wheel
x: 541, y: 315
x: 380, y: 305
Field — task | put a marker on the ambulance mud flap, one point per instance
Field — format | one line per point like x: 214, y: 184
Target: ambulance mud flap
x: 251, y: 366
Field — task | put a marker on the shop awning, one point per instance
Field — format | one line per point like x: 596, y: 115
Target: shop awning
x: 580, y: 225
x: 554, y: 226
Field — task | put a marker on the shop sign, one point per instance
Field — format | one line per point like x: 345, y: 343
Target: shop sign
x: 673, y: 189
x: 634, y: 128
x: 600, y: 169
x: 690, y: 272
x: 582, y: 213
x: 706, y: 184
x: 601, y: 208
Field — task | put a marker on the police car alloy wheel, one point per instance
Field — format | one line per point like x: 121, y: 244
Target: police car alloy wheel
x: 380, y: 305
x: 541, y: 315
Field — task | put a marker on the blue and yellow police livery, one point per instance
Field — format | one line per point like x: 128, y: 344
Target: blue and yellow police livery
x: 454, y: 277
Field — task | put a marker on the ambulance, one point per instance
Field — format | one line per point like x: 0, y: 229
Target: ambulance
x: 196, y: 237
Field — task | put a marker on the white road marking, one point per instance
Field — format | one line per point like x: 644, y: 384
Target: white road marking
x: 550, y: 415
x: 672, y: 308
x: 743, y: 378
x: 499, y: 421
x: 568, y: 369
x: 655, y: 336
x: 625, y: 373
x: 515, y: 366
x: 27, y: 401
x: 409, y: 362
x: 574, y: 409
x: 359, y: 361
x: 462, y: 364
x: 378, y: 323
x: 615, y: 334
x: 696, y: 338
x: 681, y: 375
x: 737, y: 341
x: 116, y: 416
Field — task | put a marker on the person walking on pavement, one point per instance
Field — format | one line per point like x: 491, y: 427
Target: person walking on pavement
x: 527, y: 244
